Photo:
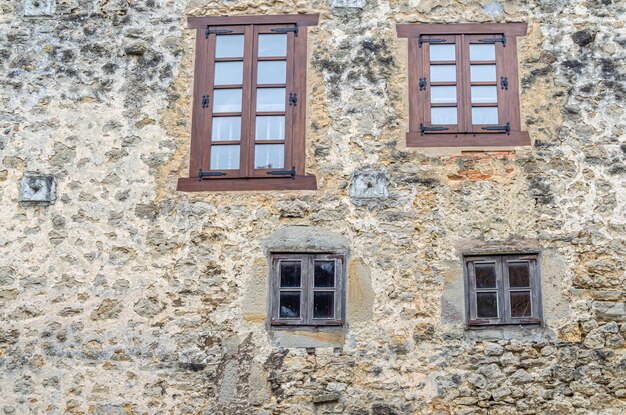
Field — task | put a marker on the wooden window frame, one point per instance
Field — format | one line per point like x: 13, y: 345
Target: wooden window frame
x: 467, y: 135
x: 292, y: 176
x: 503, y: 290
x: 307, y: 289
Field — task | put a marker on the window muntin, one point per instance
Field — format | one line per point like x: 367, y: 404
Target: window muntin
x: 503, y: 290
x: 463, y: 84
x: 307, y: 289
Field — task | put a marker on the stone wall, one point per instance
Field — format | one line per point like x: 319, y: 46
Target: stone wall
x: 124, y: 296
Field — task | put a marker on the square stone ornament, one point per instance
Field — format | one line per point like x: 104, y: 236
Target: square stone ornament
x: 37, y: 189
x: 368, y: 185
x: 35, y: 8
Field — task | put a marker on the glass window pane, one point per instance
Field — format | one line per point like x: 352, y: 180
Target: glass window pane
x: 324, y: 274
x: 442, y: 73
x: 228, y: 73
x: 272, y: 72
x: 519, y: 274
x: 272, y: 45
x: 226, y: 129
x: 229, y: 46
x: 443, y: 115
x: 483, y: 73
x: 484, y: 94
x: 483, y: 52
x: 484, y: 115
x: 227, y: 100
x: 269, y: 156
x: 289, y: 306
x: 225, y: 157
x: 290, y: 272
x: 486, y: 305
x: 270, y: 99
x: 270, y: 127
x: 485, y: 275
x: 442, y: 52
x: 520, y: 304
x: 323, y: 304
x: 443, y: 94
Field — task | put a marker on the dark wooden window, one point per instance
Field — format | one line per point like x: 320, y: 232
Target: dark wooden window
x: 249, y: 104
x: 503, y: 289
x: 307, y: 289
x: 463, y: 85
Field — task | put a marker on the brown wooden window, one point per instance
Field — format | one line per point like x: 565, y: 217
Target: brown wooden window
x: 307, y: 290
x: 249, y: 104
x: 503, y: 289
x: 463, y: 85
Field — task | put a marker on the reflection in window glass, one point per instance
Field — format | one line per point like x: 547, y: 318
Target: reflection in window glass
x: 484, y: 94
x: 289, y: 306
x: 228, y: 73
x: 225, y: 157
x: 519, y: 274
x: 270, y: 99
x: 443, y: 94
x: 480, y: 52
x: 270, y: 127
x: 269, y: 156
x: 487, y: 305
x: 226, y: 129
x: 520, y: 304
x: 483, y: 73
x: 443, y: 115
x: 442, y: 52
x: 324, y: 274
x: 442, y: 73
x: 272, y: 45
x: 229, y: 46
x: 484, y: 115
x: 227, y: 100
x: 272, y: 72
x: 323, y: 304
x: 485, y: 275
x: 290, y: 273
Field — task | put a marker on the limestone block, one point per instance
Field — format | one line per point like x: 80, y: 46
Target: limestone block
x: 347, y: 4
x: 37, y: 189
x: 368, y: 185
x: 34, y: 8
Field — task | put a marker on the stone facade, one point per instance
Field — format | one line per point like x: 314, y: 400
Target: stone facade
x: 127, y: 297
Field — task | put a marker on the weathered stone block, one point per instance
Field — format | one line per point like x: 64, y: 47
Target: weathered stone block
x: 326, y: 397
x: 347, y: 4
x: 37, y: 189
x: 34, y: 8
x: 368, y: 185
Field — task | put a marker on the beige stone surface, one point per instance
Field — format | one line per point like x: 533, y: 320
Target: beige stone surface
x: 127, y: 297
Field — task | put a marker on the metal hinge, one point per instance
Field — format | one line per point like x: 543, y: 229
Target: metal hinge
x: 202, y: 174
x: 208, y: 32
x: 293, y: 99
x: 286, y: 30
x: 205, y: 101
x: 504, y: 83
x: 422, y: 84
x: 291, y: 173
x: 494, y: 40
x: 506, y: 128
x: 421, y: 40
x: 424, y: 129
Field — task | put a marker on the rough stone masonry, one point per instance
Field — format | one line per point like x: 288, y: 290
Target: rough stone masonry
x: 127, y: 297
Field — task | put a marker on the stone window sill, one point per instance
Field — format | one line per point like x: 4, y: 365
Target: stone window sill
x: 516, y: 138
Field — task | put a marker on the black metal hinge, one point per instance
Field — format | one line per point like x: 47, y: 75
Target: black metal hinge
x: 291, y: 173
x: 494, y: 40
x: 506, y: 128
x: 504, y: 83
x: 202, y: 174
x: 286, y: 30
x: 421, y: 40
x: 205, y: 101
x: 208, y: 32
x: 424, y: 129
x: 422, y: 84
x: 293, y: 99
